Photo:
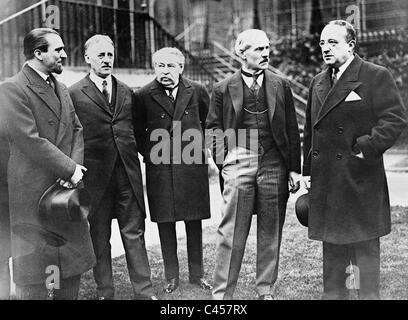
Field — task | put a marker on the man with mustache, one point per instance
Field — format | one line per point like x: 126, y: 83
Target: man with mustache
x: 178, y: 190
x: 354, y: 114
x: 45, y: 143
x: 261, y: 159
x: 114, y: 179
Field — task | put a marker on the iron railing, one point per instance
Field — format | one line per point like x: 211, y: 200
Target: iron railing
x: 136, y: 36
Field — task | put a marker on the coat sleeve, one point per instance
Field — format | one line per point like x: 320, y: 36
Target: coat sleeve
x: 389, y: 111
x: 139, y: 122
x: 307, y: 134
x: 77, y: 148
x: 22, y: 131
x: 292, y: 130
x: 215, y: 128
x: 204, y: 101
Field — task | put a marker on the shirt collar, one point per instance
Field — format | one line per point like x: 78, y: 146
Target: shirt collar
x: 250, y: 80
x: 98, y: 81
x: 173, y: 92
x: 40, y: 73
x: 344, y: 66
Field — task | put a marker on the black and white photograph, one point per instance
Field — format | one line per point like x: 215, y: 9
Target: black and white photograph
x: 197, y: 151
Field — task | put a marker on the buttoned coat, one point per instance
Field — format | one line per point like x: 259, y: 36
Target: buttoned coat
x: 349, y: 199
x: 176, y: 189
x: 46, y: 142
x: 226, y: 109
x: 107, y: 137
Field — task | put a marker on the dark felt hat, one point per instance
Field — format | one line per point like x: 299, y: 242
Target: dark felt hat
x: 59, y: 204
x: 302, y: 209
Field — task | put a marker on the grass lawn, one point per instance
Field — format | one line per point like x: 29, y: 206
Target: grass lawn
x: 300, y: 271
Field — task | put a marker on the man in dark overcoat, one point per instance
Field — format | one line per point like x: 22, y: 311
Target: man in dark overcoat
x: 354, y: 114
x: 46, y: 144
x: 252, y: 120
x: 114, y: 179
x: 177, y: 188
x: 4, y: 217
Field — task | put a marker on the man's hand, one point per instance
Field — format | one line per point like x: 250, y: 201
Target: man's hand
x: 65, y: 184
x: 294, y: 181
x: 306, y: 182
x: 78, y: 174
x: 360, y: 155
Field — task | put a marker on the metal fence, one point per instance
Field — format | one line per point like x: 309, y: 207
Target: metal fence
x: 135, y: 34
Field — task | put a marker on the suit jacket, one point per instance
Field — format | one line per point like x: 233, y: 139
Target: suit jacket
x: 349, y: 196
x: 176, y: 190
x: 46, y: 143
x: 107, y: 137
x: 226, y: 108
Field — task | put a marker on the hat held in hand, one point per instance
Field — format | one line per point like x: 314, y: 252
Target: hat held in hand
x: 61, y: 204
x: 302, y: 209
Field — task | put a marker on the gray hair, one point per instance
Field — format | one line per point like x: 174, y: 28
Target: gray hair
x: 97, y: 38
x: 351, y: 32
x: 243, y: 41
x: 167, y: 51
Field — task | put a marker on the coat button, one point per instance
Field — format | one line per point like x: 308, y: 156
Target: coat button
x: 162, y: 116
x: 340, y: 130
x: 315, y: 153
x: 186, y: 112
x: 339, y: 156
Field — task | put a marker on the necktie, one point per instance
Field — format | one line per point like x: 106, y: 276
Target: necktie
x: 255, y: 86
x: 105, y: 90
x: 335, y: 71
x: 171, y: 97
x: 51, y: 83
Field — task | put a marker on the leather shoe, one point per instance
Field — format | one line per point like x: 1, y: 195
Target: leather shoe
x: 267, y: 296
x: 172, y: 284
x: 202, y: 283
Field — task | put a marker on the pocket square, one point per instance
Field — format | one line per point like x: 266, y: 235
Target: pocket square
x: 353, y: 97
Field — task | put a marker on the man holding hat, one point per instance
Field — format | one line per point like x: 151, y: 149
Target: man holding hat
x: 46, y: 144
x: 354, y: 114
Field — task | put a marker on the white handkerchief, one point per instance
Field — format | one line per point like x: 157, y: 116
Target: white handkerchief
x: 353, y: 97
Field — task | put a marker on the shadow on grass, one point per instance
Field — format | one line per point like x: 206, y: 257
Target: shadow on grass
x: 300, y: 269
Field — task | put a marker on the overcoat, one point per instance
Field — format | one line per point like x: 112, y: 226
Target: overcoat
x: 349, y: 199
x: 46, y: 142
x: 226, y: 111
x: 4, y: 210
x: 176, y: 189
x: 107, y: 138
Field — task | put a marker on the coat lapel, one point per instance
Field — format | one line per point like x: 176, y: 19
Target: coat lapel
x: 270, y: 89
x: 347, y: 83
x: 184, y: 94
x: 158, y: 94
x: 41, y: 88
x: 65, y: 110
x: 120, y: 97
x: 236, y: 91
x: 94, y: 94
x: 323, y: 86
